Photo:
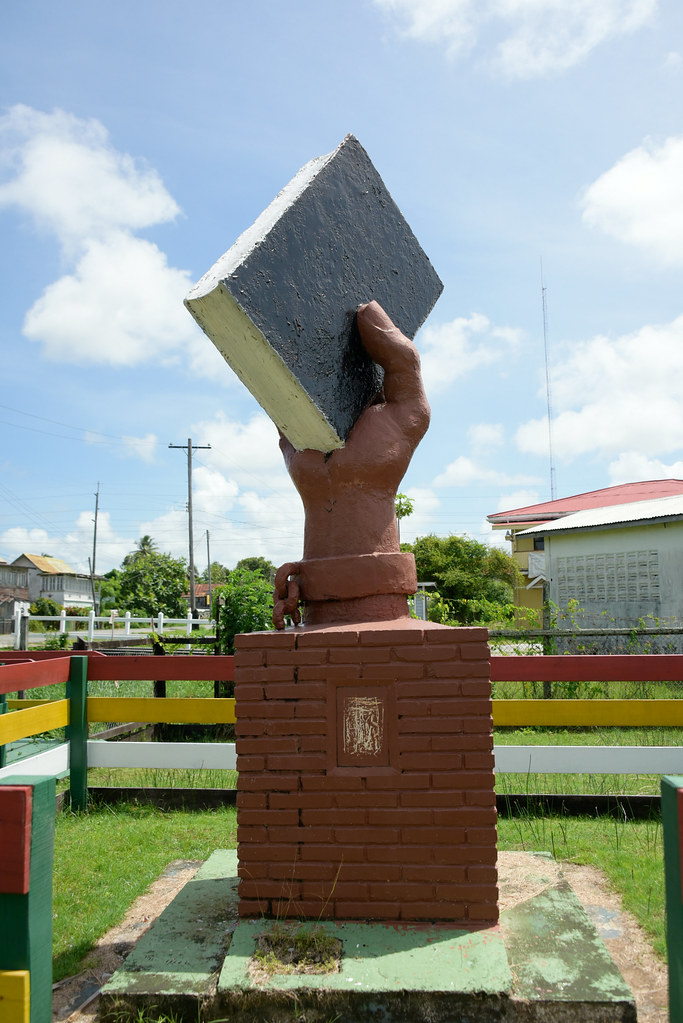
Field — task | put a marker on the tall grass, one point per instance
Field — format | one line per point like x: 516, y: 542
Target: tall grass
x: 629, y: 853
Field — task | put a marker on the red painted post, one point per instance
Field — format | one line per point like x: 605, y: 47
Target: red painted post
x: 27, y: 820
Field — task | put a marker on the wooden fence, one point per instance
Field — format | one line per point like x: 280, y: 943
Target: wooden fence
x: 78, y: 710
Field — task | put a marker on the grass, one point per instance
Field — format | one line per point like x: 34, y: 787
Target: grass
x: 105, y: 858
x: 629, y: 853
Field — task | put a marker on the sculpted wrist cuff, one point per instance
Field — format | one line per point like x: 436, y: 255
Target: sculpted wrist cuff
x: 359, y: 575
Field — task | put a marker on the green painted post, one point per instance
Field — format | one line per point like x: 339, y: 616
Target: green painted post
x: 26, y: 886
x: 3, y: 748
x: 77, y: 694
x: 672, y: 823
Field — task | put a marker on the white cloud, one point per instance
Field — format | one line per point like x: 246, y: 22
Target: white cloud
x: 631, y: 466
x: 120, y: 304
x: 673, y: 61
x: 144, y: 448
x: 517, y: 499
x: 248, y: 452
x: 615, y: 395
x: 640, y: 200
x: 463, y: 472
x: 71, y: 180
x: 451, y: 350
x: 73, y: 547
x: 539, y: 37
x: 422, y: 520
x: 485, y: 436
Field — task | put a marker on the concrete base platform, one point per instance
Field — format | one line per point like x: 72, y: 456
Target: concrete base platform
x: 543, y: 962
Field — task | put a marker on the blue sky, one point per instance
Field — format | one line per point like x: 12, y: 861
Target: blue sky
x: 138, y: 140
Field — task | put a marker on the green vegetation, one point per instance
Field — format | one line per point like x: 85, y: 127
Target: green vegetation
x: 474, y: 582
x: 150, y: 583
x: 243, y: 604
x: 292, y: 947
x: 44, y: 606
x: 106, y: 858
x: 629, y: 853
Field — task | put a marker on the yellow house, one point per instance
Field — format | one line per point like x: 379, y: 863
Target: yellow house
x: 528, y: 551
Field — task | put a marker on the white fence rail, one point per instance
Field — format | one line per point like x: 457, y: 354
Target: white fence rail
x: 102, y: 625
x: 220, y: 756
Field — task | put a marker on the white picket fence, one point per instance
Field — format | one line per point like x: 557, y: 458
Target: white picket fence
x: 109, y: 626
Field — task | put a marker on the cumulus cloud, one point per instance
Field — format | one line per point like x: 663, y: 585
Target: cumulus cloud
x: 451, y: 350
x: 631, y: 466
x: 517, y: 499
x: 615, y: 395
x: 640, y: 200
x: 120, y: 303
x: 121, y: 306
x: 74, y: 547
x: 248, y: 452
x: 144, y: 448
x: 464, y: 472
x: 69, y: 178
x: 539, y: 37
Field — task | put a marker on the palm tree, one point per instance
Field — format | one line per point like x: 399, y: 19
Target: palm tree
x: 144, y: 547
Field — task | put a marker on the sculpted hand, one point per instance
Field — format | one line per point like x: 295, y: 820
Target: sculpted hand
x: 348, y: 494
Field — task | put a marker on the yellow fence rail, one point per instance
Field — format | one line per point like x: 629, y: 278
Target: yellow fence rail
x: 21, y: 724
x: 585, y: 713
x: 169, y: 710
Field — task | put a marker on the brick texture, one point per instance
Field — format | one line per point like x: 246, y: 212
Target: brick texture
x: 366, y: 785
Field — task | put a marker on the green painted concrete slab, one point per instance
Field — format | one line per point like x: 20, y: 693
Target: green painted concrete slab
x: 380, y: 957
x: 184, y: 950
x: 555, y: 952
x: 543, y: 964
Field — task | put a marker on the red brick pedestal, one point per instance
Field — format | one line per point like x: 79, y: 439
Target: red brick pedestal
x: 366, y: 785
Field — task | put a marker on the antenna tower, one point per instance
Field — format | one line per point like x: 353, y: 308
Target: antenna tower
x: 549, y: 403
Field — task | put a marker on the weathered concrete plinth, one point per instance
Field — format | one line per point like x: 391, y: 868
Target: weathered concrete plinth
x: 543, y: 963
x: 365, y: 767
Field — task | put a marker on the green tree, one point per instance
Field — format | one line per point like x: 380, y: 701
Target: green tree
x: 110, y: 590
x: 145, y: 546
x: 475, y: 580
x: 219, y: 574
x: 44, y: 606
x: 243, y: 604
x: 404, y: 508
x: 264, y: 567
x: 153, y: 582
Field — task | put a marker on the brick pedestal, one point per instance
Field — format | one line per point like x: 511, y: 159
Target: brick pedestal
x: 366, y: 785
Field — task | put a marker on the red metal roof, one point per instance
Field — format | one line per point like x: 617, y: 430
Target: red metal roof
x: 625, y: 493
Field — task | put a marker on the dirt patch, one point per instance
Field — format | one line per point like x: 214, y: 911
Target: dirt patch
x: 521, y: 876
x: 520, y: 879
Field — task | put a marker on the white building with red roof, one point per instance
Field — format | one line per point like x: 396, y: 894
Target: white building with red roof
x: 618, y: 552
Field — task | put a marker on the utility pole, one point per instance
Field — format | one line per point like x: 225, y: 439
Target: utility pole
x: 189, y: 447
x: 94, y: 549
x: 208, y: 571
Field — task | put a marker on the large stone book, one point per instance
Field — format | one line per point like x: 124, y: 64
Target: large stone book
x: 280, y: 304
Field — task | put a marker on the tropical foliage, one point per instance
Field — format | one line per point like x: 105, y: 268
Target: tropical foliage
x: 474, y: 582
x: 243, y: 604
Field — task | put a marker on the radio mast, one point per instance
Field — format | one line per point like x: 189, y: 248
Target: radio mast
x: 549, y: 403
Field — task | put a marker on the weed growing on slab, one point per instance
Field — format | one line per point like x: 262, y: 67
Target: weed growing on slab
x: 295, y: 948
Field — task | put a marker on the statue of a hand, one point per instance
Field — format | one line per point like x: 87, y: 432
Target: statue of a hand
x: 349, y: 494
